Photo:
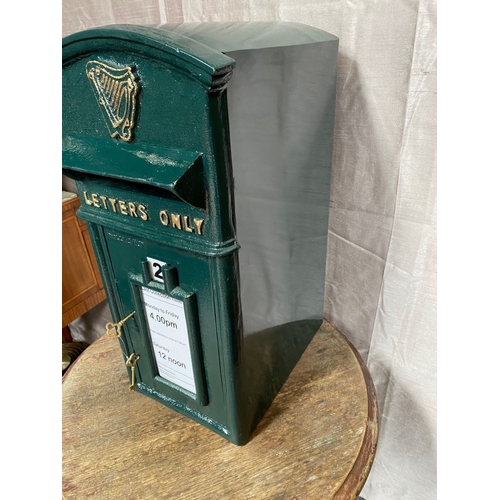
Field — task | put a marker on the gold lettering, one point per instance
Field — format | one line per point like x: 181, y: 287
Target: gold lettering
x: 176, y: 220
x: 163, y: 217
x: 131, y: 209
x: 103, y: 198
x: 120, y: 206
x: 143, y: 214
x: 87, y: 201
x: 123, y: 207
x: 95, y: 201
x: 185, y: 219
x: 198, y: 223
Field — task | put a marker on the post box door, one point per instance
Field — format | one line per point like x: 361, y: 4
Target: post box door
x: 169, y: 291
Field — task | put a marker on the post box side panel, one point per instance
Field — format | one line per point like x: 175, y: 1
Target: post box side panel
x: 281, y: 104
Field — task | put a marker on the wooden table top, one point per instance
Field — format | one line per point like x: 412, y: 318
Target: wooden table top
x: 316, y: 442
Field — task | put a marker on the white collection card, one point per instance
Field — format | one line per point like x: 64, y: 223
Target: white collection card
x: 169, y: 336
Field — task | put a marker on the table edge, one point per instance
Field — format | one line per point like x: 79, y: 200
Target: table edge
x: 355, y: 480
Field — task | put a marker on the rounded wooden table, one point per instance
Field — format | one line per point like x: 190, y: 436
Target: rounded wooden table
x: 316, y: 441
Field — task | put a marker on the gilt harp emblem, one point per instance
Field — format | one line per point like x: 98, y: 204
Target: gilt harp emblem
x: 115, y: 90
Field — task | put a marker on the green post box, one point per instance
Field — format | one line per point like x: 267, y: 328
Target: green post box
x: 202, y: 157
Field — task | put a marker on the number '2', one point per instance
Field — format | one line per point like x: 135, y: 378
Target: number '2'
x: 158, y: 271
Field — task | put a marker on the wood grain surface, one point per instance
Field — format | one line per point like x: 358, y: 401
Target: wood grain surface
x: 317, y: 440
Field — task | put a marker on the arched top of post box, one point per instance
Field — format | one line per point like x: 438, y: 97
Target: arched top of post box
x: 205, y: 63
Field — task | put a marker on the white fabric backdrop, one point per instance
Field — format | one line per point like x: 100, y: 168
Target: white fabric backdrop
x: 381, y: 275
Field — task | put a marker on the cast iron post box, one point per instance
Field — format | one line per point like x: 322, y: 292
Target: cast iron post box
x: 202, y: 157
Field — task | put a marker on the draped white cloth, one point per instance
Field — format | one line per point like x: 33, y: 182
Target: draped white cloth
x: 381, y: 275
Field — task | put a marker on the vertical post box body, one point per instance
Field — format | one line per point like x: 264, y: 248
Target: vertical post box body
x: 202, y: 157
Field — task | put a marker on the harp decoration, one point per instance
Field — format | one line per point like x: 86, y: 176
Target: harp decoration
x: 115, y: 90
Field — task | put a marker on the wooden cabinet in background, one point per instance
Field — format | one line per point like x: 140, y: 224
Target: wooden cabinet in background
x: 82, y: 287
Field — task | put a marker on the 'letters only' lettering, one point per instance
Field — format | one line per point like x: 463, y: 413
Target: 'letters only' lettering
x: 131, y: 209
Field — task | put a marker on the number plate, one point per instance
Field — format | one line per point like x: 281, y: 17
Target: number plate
x: 155, y: 269
x: 169, y: 337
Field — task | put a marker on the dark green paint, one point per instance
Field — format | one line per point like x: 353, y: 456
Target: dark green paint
x: 182, y: 124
